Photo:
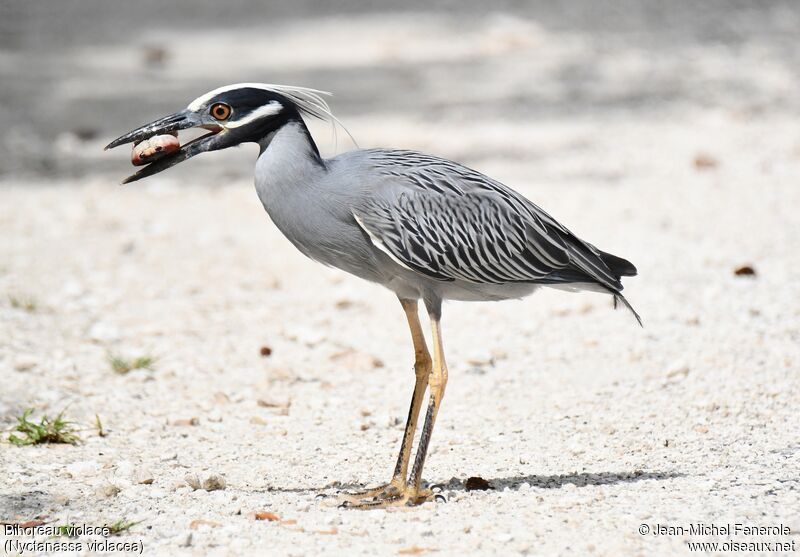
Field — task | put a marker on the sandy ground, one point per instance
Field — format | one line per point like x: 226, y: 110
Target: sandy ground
x: 584, y: 425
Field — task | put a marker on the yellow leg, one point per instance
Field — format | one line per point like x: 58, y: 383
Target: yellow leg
x: 422, y: 370
x: 438, y: 383
x: 400, y: 491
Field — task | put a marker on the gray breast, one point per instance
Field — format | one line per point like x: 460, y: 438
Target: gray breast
x: 310, y: 201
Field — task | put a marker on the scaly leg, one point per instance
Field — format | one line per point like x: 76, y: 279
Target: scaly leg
x: 438, y: 382
x: 412, y: 492
x: 422, y: 369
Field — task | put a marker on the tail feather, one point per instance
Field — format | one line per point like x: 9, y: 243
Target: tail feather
x: 619, y: 266
x: 620, y: 298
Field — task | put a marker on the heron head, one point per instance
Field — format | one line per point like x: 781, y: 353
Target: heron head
x: 234, y: 114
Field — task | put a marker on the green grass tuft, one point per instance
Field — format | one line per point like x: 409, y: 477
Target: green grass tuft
x: 98, y: 425
x: 55, y: 430
x: 124, y: 365
x: 121, y: 526
x: 26, y: 303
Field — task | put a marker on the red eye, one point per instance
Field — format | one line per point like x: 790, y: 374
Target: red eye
x: 221, y: 111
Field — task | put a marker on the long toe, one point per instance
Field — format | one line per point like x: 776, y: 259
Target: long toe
x: 374, y: 493
x: 407, y: 497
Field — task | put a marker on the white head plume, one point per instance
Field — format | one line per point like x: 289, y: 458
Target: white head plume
x: 308, y: 101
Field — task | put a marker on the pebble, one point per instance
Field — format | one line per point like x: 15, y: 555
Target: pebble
x: 25, y: 362
x: 193, y: 481
x: 107, y: 490
x: 143, y: 476
x: 480, y: 359
x: 212, y: 482
x: 677, y: 371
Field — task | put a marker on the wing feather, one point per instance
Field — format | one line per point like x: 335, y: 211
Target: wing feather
x: 450, y: 222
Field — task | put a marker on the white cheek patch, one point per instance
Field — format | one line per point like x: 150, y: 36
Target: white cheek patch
x: 274, y: 107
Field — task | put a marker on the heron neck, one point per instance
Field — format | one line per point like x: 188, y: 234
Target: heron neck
x: 295, y: 135
x: 288, y: 164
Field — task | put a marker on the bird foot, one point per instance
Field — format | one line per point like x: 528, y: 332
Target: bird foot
x: 381, y: 492
x: 389, y: 495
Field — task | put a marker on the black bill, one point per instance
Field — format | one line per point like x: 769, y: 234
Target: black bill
x: 179, y: 121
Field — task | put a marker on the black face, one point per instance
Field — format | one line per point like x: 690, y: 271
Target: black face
x: 233, y: 115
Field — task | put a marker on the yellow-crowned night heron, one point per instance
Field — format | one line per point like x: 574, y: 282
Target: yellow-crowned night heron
x: 426, y: 228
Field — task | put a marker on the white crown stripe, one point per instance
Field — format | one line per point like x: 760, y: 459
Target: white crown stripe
x: 268, y: 109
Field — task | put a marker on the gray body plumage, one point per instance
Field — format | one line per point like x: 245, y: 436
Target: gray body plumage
x: 422, y: 226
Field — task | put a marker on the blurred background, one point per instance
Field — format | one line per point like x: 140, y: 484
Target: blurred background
x: 447, y: 76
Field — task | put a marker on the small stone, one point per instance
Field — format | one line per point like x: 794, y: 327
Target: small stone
x: 677, y: 371
x: 143, y: 476
x: 266, y: 515
x: 214, y: 417
x: 193, y: 481
x: 214, y: 482
x: 476, y: 483
x: 25, y: 362
x: 221, y: 398
x: 705, y: 161
x: 331, y: 532
x: 480, y: 359
x: 200, y: 522
x: 273, y: 404
x: 108, y: 490
x: 185, y: 422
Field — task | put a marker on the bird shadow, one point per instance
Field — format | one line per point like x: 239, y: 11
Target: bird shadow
x: 554, y: 481
x: 557, y: 481
x: 24, y: 505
